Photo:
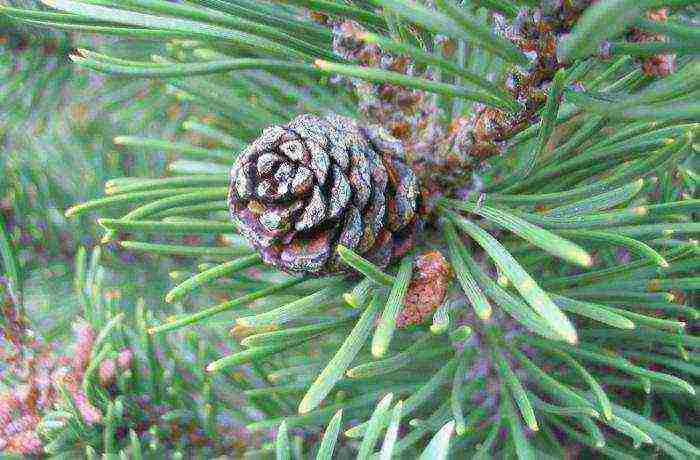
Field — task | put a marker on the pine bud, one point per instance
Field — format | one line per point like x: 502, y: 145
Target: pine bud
x: 431, y: 278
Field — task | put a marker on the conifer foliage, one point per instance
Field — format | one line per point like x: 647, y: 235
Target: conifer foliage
x: 545, y: 307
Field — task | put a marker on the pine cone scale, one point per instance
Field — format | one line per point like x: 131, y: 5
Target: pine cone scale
x: 352, y: 228
x: 314, y: 213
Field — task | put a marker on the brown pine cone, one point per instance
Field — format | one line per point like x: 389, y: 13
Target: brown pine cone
x: 301, y: 189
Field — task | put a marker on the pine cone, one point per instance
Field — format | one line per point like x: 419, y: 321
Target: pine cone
x: 300, y: 190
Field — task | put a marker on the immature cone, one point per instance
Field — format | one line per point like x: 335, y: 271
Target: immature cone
x: 301, y: 189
